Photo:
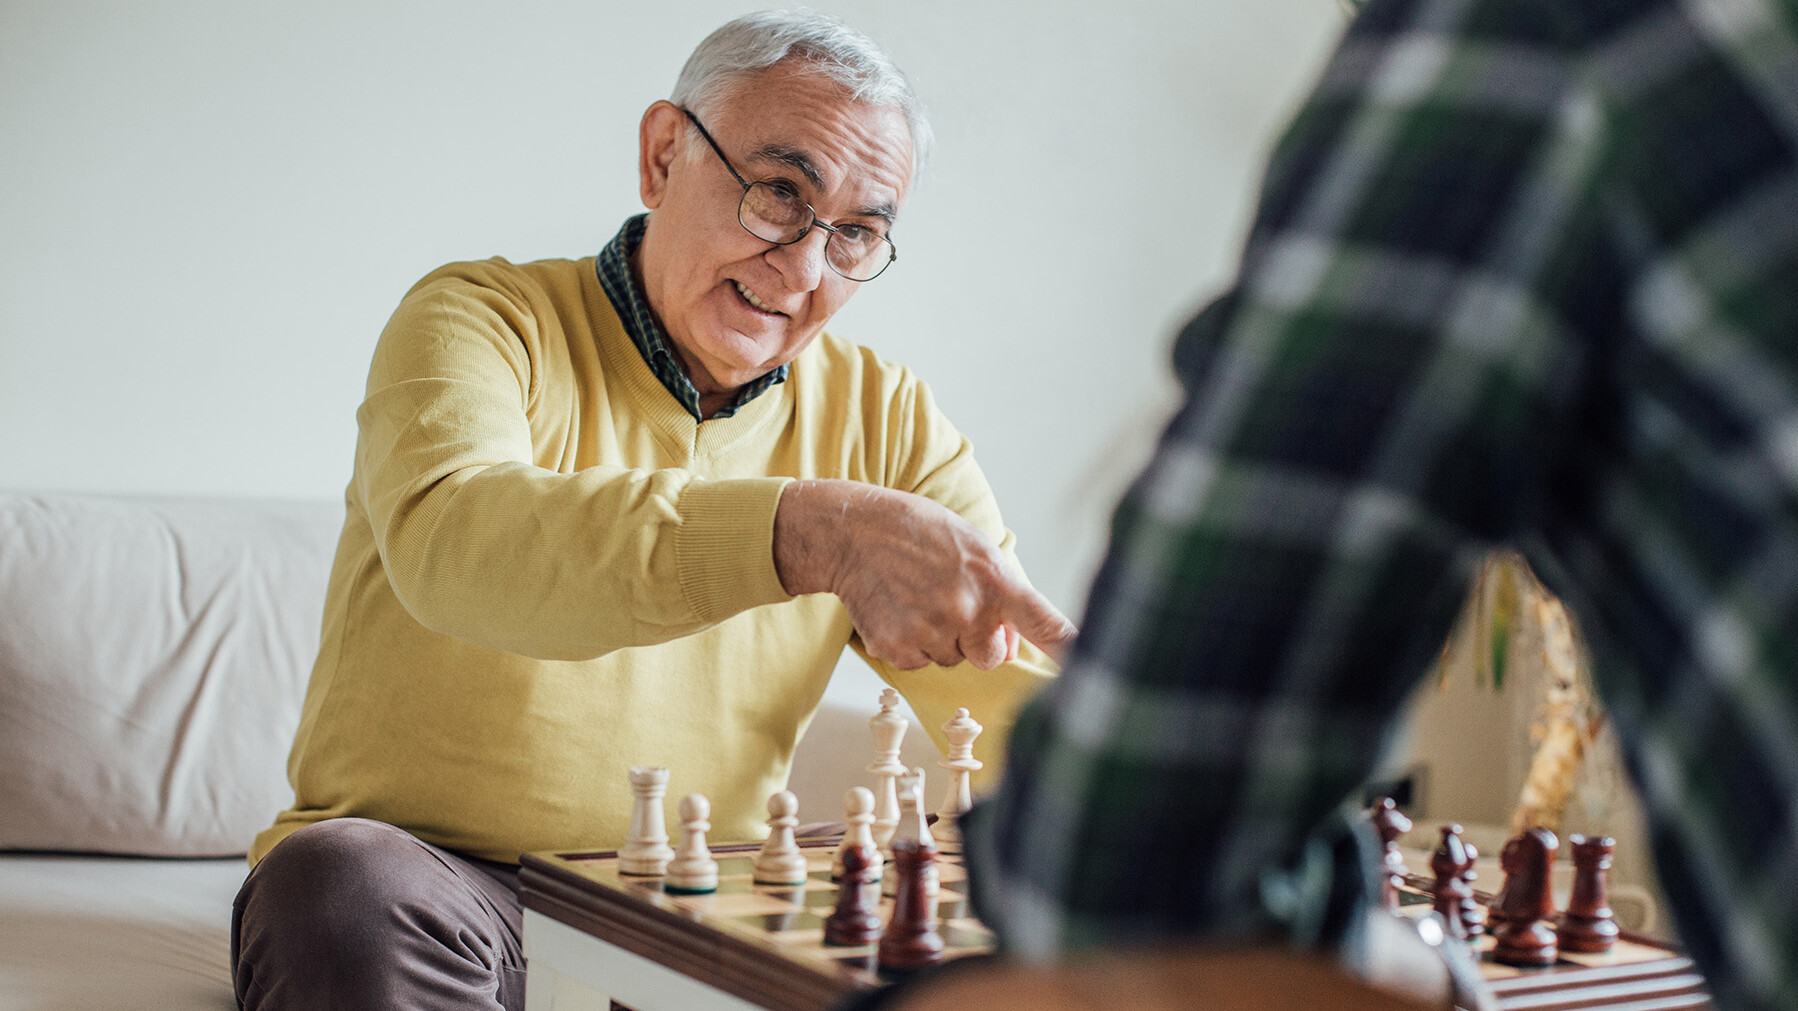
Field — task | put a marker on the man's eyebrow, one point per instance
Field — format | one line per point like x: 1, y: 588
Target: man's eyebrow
x: 793, y: 157
x: 887, y: 211
x: 802, y: 163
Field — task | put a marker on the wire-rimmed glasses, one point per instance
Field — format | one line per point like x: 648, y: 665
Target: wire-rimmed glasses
x: 772, y: 212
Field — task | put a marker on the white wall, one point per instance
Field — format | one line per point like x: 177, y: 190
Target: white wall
x: 208, y: 209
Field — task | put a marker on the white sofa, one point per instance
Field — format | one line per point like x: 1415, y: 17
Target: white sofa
x: 153, y: 655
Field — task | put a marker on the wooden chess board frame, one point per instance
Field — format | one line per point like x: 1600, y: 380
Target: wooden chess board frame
x: 760, y: 944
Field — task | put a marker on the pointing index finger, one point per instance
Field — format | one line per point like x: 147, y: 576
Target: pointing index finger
x: 1036, y: 619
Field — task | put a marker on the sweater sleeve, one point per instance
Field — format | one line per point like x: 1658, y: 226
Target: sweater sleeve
x: 482, y: 543
x: 931, y: 458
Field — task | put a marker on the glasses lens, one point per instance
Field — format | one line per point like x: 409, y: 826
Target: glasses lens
x: 773, y: 213
x: 859, y: 254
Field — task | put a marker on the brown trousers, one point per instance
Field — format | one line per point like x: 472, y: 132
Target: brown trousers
x: 351, y: 913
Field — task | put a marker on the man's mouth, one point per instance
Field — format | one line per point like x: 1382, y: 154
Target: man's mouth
x: 749, y: 296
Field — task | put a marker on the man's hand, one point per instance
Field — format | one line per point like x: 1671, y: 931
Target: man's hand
x: 922, y: 585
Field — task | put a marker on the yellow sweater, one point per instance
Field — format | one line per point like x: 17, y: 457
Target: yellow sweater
x: 549, y: 572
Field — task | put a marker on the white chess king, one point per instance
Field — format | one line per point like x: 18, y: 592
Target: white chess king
x: 889, y: 729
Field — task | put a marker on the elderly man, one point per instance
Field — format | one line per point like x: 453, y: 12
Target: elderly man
x: 626, y: 511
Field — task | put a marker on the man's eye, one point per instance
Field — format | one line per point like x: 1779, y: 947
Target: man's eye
x: 858, y: 234
x: 784, y: 191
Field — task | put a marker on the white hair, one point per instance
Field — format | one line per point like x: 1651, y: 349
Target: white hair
x: 824, y: 44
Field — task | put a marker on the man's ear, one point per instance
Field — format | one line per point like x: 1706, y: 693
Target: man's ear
x: 657, y: 144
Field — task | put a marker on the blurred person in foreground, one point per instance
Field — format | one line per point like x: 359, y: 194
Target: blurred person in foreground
x: 1524, y: 272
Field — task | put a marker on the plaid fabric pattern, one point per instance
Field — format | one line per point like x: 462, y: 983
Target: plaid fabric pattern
x: 1522, y: 272
x: 614, y: 269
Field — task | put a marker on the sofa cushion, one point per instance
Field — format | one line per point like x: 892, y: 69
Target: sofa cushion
x: 153, y: 657
x: 88, y: 932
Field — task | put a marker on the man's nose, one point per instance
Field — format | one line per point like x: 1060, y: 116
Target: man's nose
x: 802, y: 263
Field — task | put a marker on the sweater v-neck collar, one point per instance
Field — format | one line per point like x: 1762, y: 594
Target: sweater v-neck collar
x: 612, y: 266
x: 670, y: 420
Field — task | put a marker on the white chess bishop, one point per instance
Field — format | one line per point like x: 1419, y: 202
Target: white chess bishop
x: 912, y: 828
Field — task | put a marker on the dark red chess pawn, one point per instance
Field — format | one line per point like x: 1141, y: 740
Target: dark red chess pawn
x: 854, y: 921
x: 1507, y: 860
x: 1390, y: 823
x: 1450, y: 889
x: 1589, y: 925
x: 1473, y: 915
x: 1524, y: 937
x: 911, y: 940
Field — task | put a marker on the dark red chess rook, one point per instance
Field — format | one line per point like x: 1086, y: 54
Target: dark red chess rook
x: 1450, y: 890
x: 853, y: 921
x: 1588, y: 925
x: 1390, y: 823
x: 911, y: 940
x: 1524, y: 937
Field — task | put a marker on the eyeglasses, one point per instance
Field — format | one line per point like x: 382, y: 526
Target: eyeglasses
x: 772, y: 212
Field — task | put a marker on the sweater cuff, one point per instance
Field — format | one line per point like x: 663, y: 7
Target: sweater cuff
x: 725, y: 549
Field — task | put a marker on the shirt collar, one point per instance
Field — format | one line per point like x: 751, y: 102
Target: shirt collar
x: 614, y: 269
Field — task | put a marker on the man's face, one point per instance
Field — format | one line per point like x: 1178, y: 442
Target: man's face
x: 733, y: 305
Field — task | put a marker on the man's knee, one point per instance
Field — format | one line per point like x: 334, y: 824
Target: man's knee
x: 338, y: 869
x: 314, y: 904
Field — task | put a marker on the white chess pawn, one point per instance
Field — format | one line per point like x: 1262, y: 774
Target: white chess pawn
x: 961, y: 762
x: 913, y: 828
x: 780, y: 862
x: 693, y: 870
x: 889, y: 729
x: 858, y: 808
x: 646, y: 849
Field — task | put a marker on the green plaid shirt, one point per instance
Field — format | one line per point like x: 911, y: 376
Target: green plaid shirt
x: 614, y: 268
x: 1525, y: 272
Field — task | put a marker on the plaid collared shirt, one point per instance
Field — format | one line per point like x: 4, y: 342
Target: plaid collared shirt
x: 1523, y: 272
x: 614, y: 269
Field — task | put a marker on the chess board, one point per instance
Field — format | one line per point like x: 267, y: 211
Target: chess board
x: 761, y: 943
x: 764, y: 944
x: 1638, y: 971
